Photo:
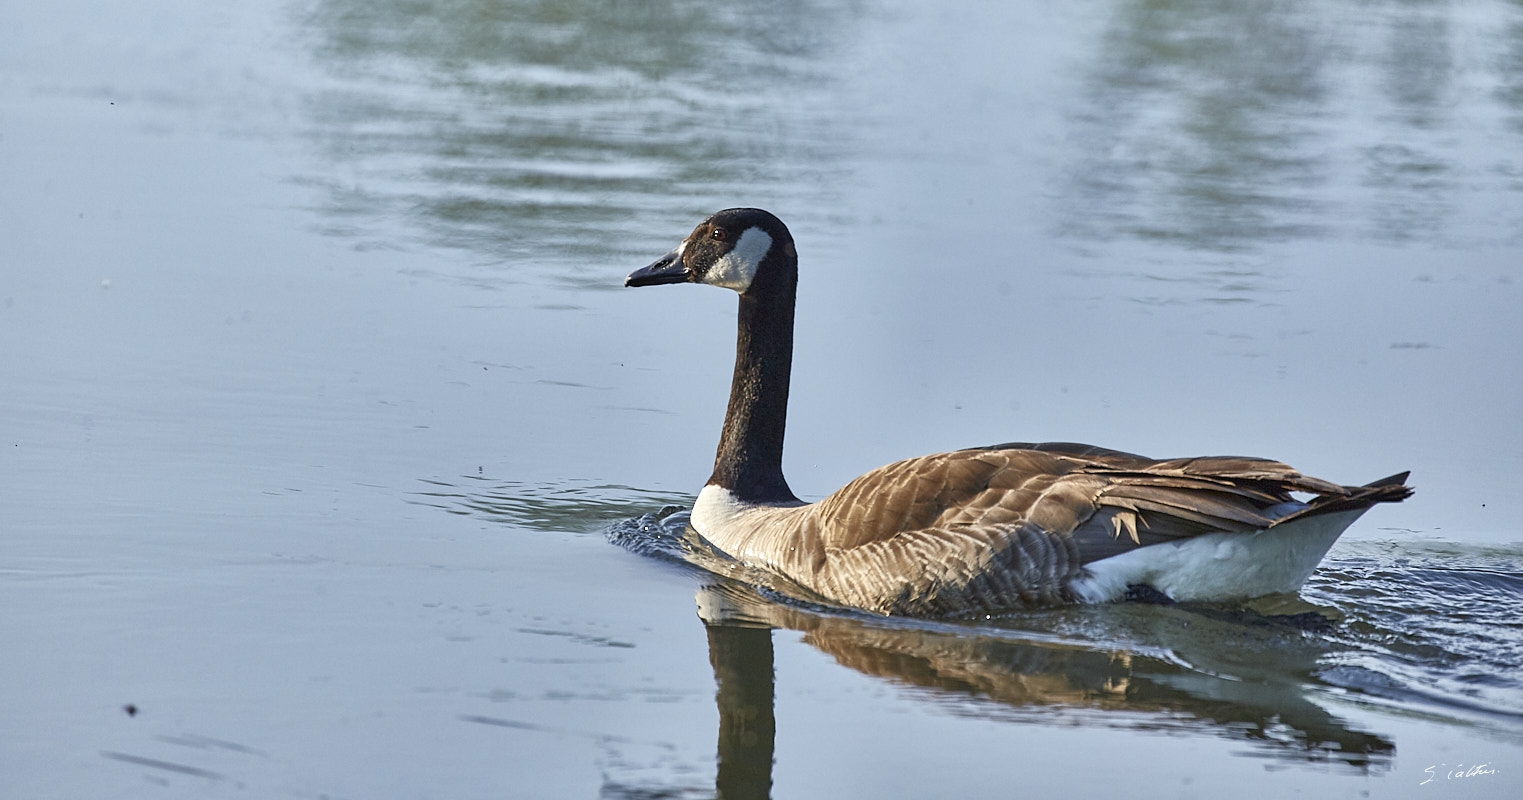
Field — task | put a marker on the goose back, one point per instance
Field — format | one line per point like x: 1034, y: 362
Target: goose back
x: 1017, y: 525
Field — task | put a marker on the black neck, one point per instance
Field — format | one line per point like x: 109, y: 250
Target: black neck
x: 750, y: 458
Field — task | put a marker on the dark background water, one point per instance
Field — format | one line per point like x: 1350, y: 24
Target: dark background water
x: 318, y: 388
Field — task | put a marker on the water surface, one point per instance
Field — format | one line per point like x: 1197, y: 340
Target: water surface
x: 320, y: 399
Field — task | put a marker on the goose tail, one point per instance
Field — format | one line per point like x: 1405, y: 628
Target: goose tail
x: 1392, y: 489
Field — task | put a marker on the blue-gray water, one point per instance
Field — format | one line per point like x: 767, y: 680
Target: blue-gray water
x: 320, y: 398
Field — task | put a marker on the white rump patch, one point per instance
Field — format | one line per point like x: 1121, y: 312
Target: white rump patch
x: 736, y: 269
x: 1220, y: 566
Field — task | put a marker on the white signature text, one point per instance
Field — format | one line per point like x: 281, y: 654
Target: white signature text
x: 1459, y: 771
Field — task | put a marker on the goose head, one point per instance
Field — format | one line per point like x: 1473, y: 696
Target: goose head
x: 738, y: 248
x: 750, y: 251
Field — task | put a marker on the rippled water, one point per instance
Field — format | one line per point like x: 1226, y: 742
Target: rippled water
x: 1432, y: 622
x: 1377, y: 627
x: 320, y: 398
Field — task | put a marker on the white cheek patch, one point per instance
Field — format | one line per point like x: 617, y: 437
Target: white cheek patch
x: 736, y: 269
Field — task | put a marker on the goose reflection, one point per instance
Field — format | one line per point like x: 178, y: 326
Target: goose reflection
x: 1216, y: 671
x: 1195, y: 671
x: 741, y: 652
x: 1003, y: 673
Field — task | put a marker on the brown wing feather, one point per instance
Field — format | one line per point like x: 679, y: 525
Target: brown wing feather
x: 1021, y: 519
x: 1058, y: 488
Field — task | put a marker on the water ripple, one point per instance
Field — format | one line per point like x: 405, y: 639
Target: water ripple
x: 1433, y: 629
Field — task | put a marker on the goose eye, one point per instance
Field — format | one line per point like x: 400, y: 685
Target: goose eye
x: 718, y: 234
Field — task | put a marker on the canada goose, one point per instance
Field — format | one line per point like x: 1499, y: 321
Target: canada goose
x: 986, y: 529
